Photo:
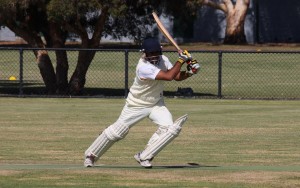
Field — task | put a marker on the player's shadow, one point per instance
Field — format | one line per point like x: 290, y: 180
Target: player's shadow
x: 188, y: 165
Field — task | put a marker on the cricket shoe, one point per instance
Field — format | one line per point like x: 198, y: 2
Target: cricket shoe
x: 89, y: 161
x: 143, y: 163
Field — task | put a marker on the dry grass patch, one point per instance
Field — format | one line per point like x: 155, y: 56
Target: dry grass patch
x: 9, y: 172
x: 271, y: 178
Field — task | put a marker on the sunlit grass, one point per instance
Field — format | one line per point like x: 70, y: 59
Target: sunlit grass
x: 232, y: 143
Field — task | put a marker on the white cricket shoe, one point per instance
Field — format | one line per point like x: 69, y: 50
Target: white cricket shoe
x: 144, y: 163
x: 89, y: 161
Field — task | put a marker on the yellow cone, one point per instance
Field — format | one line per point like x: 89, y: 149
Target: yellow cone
x: 12, y: 78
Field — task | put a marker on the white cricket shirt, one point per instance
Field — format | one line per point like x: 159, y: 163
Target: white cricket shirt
x: 145, y: 90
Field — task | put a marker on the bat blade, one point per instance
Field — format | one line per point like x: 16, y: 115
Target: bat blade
x: 165, y: 31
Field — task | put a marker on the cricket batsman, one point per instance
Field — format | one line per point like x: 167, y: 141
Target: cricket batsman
x: 145, y: 99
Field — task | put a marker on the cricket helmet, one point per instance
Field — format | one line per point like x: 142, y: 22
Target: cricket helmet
x: 151, y: 45
x: 152, y: 49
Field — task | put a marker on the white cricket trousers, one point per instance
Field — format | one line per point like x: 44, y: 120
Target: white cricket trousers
x: 158, y: 114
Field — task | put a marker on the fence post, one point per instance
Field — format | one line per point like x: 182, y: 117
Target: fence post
x: 126, y: 73
x: 21, y: 73
x: 220, y: 75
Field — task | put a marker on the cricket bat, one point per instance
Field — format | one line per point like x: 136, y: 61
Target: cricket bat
x: 165, y: 32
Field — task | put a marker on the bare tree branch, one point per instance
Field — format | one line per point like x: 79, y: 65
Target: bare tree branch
x: 229, y: 5
x: 242, y: 4
x: 220, y: 6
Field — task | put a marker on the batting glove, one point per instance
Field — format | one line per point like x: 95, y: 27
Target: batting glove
x: 184, y: 56
x: 192, y: 67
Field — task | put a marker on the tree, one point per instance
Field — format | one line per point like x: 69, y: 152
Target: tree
x: 82, y: 18
x: 96, y: 18
x: 235, y: 12
x: 27, y: 19
x: 53, y: 20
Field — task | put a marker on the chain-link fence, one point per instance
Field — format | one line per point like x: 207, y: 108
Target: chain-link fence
x: 223, y: 74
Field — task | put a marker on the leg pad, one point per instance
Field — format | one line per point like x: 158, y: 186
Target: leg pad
x: 164, y: 139
x: 106, y: 139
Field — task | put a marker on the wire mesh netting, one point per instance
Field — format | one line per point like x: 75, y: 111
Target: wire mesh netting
x: 223, y: 74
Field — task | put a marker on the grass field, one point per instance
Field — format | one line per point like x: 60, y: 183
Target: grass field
x: 225, y: 143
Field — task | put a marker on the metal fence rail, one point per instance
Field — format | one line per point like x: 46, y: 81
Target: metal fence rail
x: 223, y: 74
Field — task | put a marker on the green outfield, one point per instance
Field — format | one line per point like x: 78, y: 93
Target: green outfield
x: 224, y: 144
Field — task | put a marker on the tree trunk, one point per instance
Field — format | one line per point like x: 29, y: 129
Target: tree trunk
x: 44, y: 63
x: 47, y: 71
x: 85, y: 58
x: 62, y: 68
x: 57, y: 38
x: 235, y: 33
x: 77, y: 80
x: 43, y: 59
x: 235, y: 17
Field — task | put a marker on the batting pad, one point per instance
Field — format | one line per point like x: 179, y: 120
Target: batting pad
x: 164, y: 139
x: 106, y: 139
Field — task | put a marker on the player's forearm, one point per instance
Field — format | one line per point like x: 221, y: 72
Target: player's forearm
x: 170, y: 74
x: 182, y: 75
x: 175, y: 71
